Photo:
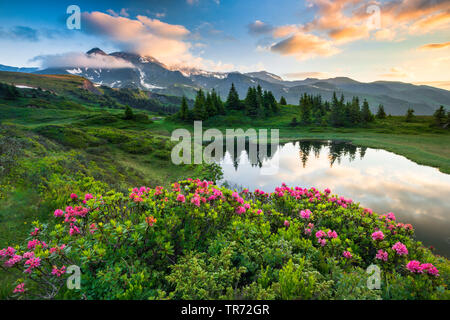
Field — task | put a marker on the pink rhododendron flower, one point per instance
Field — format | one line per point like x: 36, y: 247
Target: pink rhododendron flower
x: 377, y: 235
x: 28, y: 255
x: 73, y: 196
x: 11, y: 262
x: 305, y: 214
x: 400, y: 248
x: 332, y: 234
x: 308, y: 231
x: 414, y: 266
x: 322, y: 242
x: 20, y: 288
x: 320, y: 234
x: 88, y: 197
x: 58, y: 213
x: 247, y: 206
x: 259, y: 211
x: 430, y: 269
x: 382, y: 255
x: 74, y: 230
x: 58, y: 272
x: 347, y: 254
x: 32, y: 263
x: 286, y: 223
x: 181, y: 198
x: 240, y: 210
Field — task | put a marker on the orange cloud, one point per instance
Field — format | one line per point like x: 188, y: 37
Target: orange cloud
x: 349, y: 33
x: 143, y: 35
x: 435, y: 46
x: 432, y: 22
x: 304, y: 46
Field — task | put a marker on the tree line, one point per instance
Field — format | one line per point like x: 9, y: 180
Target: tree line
x: 257, y: 103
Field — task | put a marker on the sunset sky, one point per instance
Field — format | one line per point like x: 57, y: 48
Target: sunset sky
x: 401, y: 40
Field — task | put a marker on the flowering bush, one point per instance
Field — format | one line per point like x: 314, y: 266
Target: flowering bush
x: 196, y: 240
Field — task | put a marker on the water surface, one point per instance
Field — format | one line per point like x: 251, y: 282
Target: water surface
x: 377, y: 179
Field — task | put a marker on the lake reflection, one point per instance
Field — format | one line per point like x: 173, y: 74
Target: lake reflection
x: 377, y: 179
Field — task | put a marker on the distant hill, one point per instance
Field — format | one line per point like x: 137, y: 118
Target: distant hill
x: 149, y: 74
x: 17, y: 69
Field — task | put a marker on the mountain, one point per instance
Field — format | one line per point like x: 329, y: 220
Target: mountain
x: 147, y: 73
x: 17, y: 69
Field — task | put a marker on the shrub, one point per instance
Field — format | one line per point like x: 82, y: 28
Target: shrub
x: 196, y: 240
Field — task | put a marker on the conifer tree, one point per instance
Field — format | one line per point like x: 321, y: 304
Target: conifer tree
x: 283, y: 101
x: 409, y: 115
x: 380, y: 113
x: 233, y: 102
x: 440, y: 117
x: 210, y: 106
x: 199, y: 110
x: 184, y: 109
x: 366, y: 114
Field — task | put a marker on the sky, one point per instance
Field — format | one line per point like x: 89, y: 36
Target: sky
x: 396, y: 40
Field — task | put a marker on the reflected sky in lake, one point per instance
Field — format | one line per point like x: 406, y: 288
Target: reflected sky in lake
x: 377, y: 179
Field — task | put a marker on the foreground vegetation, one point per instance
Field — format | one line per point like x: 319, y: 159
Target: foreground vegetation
x: 75, y: 139
x: 195, y: 240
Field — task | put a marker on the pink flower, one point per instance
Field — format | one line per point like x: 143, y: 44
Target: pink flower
x: 259, y: 211
x: 430, y: 269
x: 391, y: 216
x: 181, y: 198
x: 73, y: 196
x: 11, y: 262
x: 347, y: 254
x: 332, y: 234
x: 382, y: 255
x: 58, y: 213
x: 320, y: 234
x: 377, y: 235
x: 196, y: 201
x: 74, y: 230
x: 286, y: 223
x: 305, y: 214
x: 88, y: 197
x: 32, y: 263
x: 322, y: 242
x: 414, y: 266
x: 20, y: 288
x: 240, y: 210
x: 327, y: 191
x: 28, y: 255
x: 58, y: 272
x: 247, y: 206
x: 400, y: 248
x: 308, y: 231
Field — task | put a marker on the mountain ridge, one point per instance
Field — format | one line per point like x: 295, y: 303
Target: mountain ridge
x: 150, y: 74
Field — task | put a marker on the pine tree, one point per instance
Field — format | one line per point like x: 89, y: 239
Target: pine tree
x: 251, y: 102
x: 380, y: 113
x: 305, y: 109
x: 409, y: 115
x: 128, y: 114
x: 273, y: 103
x: 199, y: 110
x: 440, y: 117
x: 366, y: 114
x: 335, y: 115
x: 218, y: 104
x: 283, y: 101
x: 210, y: 106
x: 184, y: 109
x: 233, y: 102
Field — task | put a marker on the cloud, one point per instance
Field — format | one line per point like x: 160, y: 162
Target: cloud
x: 258, y: 27
x: 77, y: 59
x: 20, y: 33
x: 306, y: 74
x: 142, y: 35
x: 396, y: 72
x: 433, y: 22
x: 304, y: 46
x: 284, y: 31
x: 435, y: 46
x: 347, y: 34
